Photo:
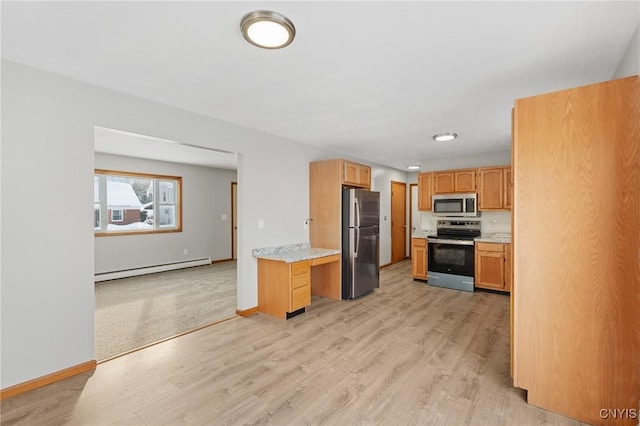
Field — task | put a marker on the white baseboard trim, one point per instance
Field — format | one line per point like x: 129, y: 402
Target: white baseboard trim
x: 104, y: 276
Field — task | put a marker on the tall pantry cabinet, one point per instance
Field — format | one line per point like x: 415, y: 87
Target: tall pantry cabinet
x: 576, y: 232
x: 326, y: 180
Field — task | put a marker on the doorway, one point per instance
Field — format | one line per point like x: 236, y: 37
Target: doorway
x: 234, y: 220
x: 414, y: 213
x: 398, y: 221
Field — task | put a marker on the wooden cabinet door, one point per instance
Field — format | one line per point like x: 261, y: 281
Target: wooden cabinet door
x: 465, y: 180
x: 364, y: 176
x: 425, y: 190
x: 490, y: 270
x: 350, y: 174
x: 508, y: 188
x: 491, y: 188
x: 419, y: 258
x: 508, y: 267
x: 355, y: 174
x: 443, y: 182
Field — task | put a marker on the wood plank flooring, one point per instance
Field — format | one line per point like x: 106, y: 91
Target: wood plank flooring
x: 406, y: 354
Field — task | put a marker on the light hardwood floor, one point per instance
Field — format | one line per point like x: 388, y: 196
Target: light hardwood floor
x: 406, y: 354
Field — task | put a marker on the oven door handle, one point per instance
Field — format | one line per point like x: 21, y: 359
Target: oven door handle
x: 454, y: 242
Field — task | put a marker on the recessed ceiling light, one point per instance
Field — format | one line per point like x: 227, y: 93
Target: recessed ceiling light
x: 447, y: 136
x: 267, y: 29
x: 414, y: 167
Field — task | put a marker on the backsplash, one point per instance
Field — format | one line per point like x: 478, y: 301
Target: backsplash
x: 490, y: 221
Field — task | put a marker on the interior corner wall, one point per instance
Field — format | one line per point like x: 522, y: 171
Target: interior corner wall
x: 47, y: 247
x: 630, y: 63
x: 206, y: 197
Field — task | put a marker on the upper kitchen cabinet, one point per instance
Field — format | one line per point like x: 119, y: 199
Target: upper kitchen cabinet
x: 575, y: 226
x: 425, y: 190
x: 494, y: 188
x: 454, y: 181
x: 355, y: 174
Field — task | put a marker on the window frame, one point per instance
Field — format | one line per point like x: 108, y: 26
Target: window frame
x: 121, y: 211
x: 156, y: 178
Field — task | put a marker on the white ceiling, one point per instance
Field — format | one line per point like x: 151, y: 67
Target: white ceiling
x: 372, y: 80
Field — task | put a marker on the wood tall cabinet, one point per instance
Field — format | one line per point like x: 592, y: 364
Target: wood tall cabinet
x: 326, y: 180
x: 576, y: 165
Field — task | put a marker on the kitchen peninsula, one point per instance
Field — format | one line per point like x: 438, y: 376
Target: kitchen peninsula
x: 289, y: 274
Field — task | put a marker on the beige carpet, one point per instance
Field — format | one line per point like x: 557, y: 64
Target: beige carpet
x: 133, y: 312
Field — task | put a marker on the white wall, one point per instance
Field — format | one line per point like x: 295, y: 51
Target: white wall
x: 47, y: 246
x: 498, y: 158
x: 381, y: 178
x: 206, y: 196
x: 630, y: 62
x: 47, y: 266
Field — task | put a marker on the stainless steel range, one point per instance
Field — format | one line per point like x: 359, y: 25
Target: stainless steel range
x: 451, y: 258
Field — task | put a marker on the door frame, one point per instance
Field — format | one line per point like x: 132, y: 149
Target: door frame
x: 234, y: 226
x: 404, y: 245
x: 411, y: 185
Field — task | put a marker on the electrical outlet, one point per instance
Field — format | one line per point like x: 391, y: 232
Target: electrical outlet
x: 224, y: 217
x: 186, y: 251
x: 260, y: 223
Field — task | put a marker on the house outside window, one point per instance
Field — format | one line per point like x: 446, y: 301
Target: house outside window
x: 116, y: 215
x: 125, y: 203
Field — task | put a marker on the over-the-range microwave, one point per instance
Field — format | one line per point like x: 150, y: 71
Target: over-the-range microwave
x: 455, y: 205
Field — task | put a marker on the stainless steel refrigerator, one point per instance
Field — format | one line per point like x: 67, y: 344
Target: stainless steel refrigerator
x: 360, y: 242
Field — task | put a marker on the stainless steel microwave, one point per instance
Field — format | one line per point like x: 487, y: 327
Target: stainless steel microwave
x: 455, y: 205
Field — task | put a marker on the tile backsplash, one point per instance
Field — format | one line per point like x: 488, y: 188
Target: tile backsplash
x: 490, y: 221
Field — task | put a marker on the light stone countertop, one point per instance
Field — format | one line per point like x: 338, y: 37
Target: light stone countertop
x: 423, y: 234
x: 293, y: 252
x: 496, y: 237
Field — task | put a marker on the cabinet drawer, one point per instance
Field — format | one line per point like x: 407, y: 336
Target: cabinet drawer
x: 325, y: 259
x: 300, y: 297
x: 302, y: 267
x: 301, y: 280
x: 490, y: 247
x: 420, y: 242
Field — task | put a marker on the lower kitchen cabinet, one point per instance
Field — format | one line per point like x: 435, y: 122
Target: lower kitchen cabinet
x: 419, y: 258
x: 283, y: 288
x: 492, y: 271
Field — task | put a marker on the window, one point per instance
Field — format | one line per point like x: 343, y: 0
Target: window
x: 116, y: 215
x: 130, y: 203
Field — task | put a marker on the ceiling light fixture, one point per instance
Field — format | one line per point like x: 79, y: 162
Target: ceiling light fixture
x: 447, y: 136
x: 414, y: 167
x: 267, y: 29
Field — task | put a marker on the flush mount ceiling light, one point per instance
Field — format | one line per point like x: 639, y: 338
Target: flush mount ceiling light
x: 414, y: 167
x: 267, y: 29
x: 447, y: 136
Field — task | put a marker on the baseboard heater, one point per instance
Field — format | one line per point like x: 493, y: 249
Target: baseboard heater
x: 104, y: 276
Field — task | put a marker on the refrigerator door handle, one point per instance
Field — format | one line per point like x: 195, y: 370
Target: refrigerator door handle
x: 355, y: 245
x: 357, y: 211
